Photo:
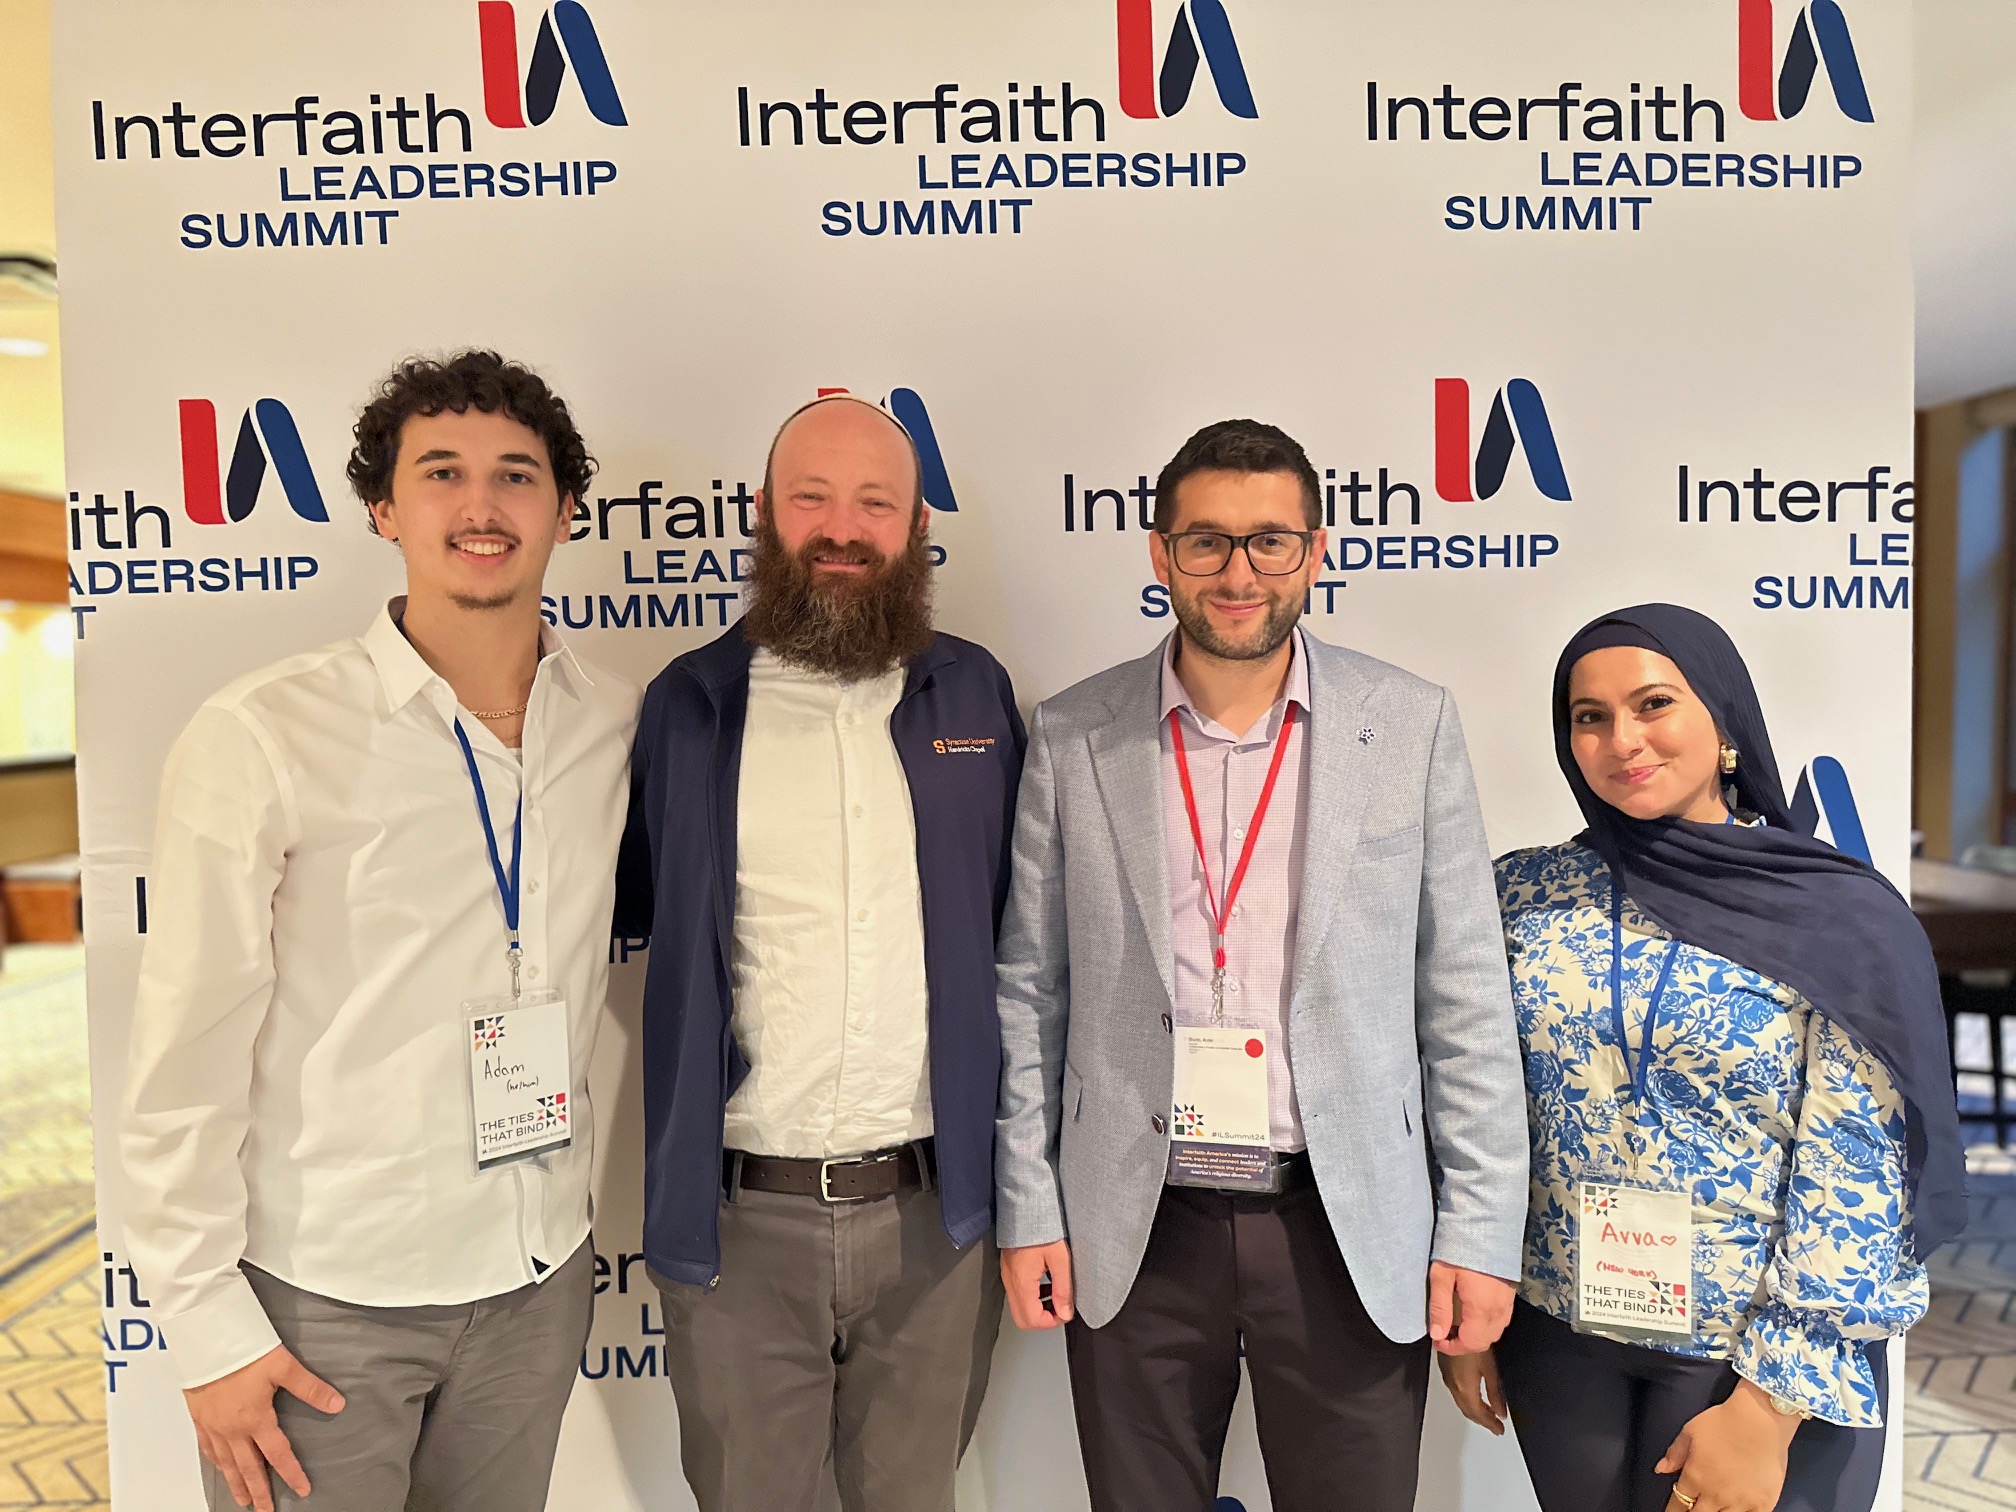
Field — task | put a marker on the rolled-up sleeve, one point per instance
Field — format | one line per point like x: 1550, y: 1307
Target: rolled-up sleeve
x: 206, y: 983
x: 1841, y: 1275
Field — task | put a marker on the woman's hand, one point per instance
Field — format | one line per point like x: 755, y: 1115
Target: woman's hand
x: 1472, y: 1380
x: 1731, y: 1458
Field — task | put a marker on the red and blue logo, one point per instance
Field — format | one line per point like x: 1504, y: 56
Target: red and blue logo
x: 1201, y: 31
x: 1518, y: 420
x: 907, y: 406
x: 1770, y: 90
x: 266, y: 433
x: 566, y: 37
x: 1823, y: 793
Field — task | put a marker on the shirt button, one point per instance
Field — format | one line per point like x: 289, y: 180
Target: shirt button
x: 859, y: 811
x: 847, y: 719
x: 1238, y: 834
x: 533, y: 973
x: 532, y: 886
x: 1155, y: 1122
x: 862, y: 916
x: 1232, y: 984
x: 1238, y: 910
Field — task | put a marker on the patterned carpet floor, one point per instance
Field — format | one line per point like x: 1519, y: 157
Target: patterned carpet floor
x: 1959, y: 1404
x: 52, y: 1360
x: 1960, y: 1417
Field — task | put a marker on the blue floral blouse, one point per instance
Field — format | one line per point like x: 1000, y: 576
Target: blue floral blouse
x: 1789, y: 1133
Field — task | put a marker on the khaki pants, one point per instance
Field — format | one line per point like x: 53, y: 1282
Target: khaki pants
x: 840, y: 1361
x: 446, y: 1409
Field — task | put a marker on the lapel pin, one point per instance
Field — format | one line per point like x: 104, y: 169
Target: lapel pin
x: 1367, y: 735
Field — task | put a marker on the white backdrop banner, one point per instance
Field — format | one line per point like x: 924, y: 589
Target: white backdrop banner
x: 1574, y: 303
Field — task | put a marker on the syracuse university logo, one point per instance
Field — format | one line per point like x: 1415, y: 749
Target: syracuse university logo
x: 1201, y: 29
x: 266, y: 433
x: 1769, y: 90
x: 1518, y: 420
x: 566, y: 36
x: 909, y: 412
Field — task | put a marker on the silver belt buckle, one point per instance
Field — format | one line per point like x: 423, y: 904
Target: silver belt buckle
x: 826, y: 1174
x: 826, y: 1182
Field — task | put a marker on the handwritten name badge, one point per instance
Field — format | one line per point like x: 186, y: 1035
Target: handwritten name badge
x: 521, y: 1081
x: 1634, y: 1262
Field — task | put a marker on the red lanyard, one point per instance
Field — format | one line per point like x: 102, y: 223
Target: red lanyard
x: 1221, y: 914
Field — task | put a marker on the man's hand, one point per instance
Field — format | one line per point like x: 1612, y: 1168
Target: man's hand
x: 1022, y: 1273
x: 1472, y: 1380
x: 1467, y: 1309
x: 239, y: 1433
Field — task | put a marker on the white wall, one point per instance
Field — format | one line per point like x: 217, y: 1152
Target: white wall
x: 1963, y: 198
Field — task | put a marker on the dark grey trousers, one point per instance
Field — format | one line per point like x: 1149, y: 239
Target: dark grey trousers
x: 840, y: 1361
x: 446, y: 1409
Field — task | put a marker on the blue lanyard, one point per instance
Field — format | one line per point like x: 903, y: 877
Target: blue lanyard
x: 507, y: 882
x: 1643, y: 1069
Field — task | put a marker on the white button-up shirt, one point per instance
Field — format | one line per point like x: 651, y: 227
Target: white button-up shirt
x: 830, y: 999
x: 322, y: 904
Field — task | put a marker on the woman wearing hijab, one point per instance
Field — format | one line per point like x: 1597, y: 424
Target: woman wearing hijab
x: 1744, y: 1137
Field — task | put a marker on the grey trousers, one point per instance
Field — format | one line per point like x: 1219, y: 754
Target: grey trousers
x: 840, y: 1361
x: 446, y: 1409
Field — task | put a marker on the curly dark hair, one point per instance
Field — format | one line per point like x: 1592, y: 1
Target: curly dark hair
x: 1241, y: 446
x: 468, y: 380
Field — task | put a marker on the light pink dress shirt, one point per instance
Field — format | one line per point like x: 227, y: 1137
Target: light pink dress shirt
x: 1227, y: 772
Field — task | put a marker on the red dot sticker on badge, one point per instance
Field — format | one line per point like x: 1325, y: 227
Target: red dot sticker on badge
x: 1255, y: 1049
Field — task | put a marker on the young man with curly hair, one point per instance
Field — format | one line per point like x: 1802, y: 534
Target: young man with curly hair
x: 356, y: 1132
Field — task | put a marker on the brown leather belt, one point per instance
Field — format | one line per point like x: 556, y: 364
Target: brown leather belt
x: 847, y: 1178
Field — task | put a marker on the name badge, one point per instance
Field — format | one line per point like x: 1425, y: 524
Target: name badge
x: 1634, y: 1262
x: 521, y: 1081
x: 1220, y: 1135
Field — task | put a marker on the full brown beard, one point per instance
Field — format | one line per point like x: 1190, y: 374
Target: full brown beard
x: 845, y: 627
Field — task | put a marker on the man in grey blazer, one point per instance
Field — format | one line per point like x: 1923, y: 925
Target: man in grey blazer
x: 1260, y: 1087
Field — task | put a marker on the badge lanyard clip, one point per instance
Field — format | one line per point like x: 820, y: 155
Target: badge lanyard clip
x: 507, y: 881
x: 1221, y: 912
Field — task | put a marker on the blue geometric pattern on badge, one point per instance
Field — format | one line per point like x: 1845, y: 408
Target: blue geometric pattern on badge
x: 1749, y: 1093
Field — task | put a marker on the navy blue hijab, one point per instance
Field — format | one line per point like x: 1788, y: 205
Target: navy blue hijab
x: 1784, y: 904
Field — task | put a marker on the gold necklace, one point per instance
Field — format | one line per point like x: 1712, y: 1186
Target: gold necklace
x: 500, y: 713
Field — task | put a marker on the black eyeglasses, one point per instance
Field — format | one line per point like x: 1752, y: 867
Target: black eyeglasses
x: 1271, y: 553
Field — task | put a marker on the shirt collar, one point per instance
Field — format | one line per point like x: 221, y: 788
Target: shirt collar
x: 403, y: 672
x: 1295, y: 690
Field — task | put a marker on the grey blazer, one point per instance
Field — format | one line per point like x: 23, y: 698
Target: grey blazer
x: 1400, y: 1029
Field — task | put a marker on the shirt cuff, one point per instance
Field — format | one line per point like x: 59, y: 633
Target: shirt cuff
x: 1804, y: 1359
x: 223, y: 1333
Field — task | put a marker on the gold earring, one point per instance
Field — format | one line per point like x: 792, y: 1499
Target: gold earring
x: 1729, y: 755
